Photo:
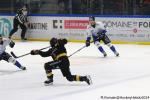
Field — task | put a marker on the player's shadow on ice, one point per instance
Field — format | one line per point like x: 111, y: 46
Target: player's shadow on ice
x: 69, y: 84
x: 8, y: 72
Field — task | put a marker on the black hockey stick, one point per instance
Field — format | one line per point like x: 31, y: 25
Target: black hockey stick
x: 12, y: 53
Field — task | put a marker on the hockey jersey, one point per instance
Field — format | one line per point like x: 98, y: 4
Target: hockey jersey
x: 99, y: 29
x: 5, y: 42
x: 21, y: 16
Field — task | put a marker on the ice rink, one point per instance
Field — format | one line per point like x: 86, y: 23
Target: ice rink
x: 127, y: 75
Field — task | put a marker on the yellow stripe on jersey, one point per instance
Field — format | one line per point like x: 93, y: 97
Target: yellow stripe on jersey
x: 60, y: 55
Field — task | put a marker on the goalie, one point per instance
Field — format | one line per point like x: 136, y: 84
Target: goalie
x: 61, y: 61
x: 6, y: 56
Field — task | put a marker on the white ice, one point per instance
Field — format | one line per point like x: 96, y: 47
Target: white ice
x: 127, y: 75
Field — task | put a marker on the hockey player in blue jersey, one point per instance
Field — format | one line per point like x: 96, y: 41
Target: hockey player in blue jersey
x: 97, y: 30
x: 6, y: 56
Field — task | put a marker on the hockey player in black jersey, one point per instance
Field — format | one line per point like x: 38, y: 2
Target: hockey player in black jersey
x: 20, y: 20
x: 60, y: 61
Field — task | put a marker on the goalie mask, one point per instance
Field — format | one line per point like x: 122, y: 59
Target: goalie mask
x: 53, y: 42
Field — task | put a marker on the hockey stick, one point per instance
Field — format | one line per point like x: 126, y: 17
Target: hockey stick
x: 12, y: 53
x: 78, y: 50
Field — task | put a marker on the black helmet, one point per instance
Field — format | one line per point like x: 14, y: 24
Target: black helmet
x: 92, y: 18
x: 53, y: 42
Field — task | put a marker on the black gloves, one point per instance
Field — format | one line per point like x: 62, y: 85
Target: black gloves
x: 12, y: 44
x: 34, y: 52
x: 87, y: 43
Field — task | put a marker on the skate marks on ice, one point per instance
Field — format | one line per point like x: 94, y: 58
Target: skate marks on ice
x: 8, y: 72
x: 92, y: 87
x: 89, y: 60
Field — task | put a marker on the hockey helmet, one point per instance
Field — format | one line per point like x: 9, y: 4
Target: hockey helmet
x: 53, y: 42
x: 92, y: 18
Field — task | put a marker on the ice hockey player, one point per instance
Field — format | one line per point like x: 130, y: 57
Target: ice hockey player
x: 60, y: 61
x: 20, y: 20
x: 97, y: 30
x: 6, y: 56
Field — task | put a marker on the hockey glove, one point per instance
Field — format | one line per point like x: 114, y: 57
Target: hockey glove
x: 87, y: 43
x: 12, y: 44
x: 34, y: 52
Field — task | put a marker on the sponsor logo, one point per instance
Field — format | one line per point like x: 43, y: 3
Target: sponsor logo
x: 75, y: 24
x: 144, y: 24
x: 135, y: 30
x: 57, y: 24
x: 38, y: 26
x: 5, y: 26
x: 132, y: 26
x: 120, y: 24
x: 70, y: 24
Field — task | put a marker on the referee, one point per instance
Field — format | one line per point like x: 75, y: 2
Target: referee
x: 20, y: 19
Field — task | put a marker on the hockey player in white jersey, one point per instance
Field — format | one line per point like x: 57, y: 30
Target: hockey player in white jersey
x: 97, y: 30
x: 6, y: 56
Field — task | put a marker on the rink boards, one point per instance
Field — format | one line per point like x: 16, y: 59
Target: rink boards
x: 120, y: 29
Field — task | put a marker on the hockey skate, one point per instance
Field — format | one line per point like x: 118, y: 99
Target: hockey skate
x: 117, y: 54
x: 48, y: 82
x: 23, y: 39
x: 23, y: 68
x: 105, y: 55
x: 88, y: 80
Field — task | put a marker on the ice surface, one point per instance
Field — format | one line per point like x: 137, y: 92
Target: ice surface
x: 127, y: 75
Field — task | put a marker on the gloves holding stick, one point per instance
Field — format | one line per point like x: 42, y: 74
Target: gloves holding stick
x: 87, y: 43
x: 12, y: 44
x: 35, y: 52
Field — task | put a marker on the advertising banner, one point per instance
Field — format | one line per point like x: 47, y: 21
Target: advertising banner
x: 5, y: 25
x: 74, y: 28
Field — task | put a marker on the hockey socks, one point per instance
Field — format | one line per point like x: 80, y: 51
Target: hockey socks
x: 87, y: 79
x: 19, y: 65
x: 114, y: 50
x: 102, y: 51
